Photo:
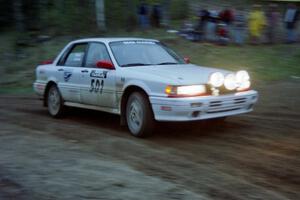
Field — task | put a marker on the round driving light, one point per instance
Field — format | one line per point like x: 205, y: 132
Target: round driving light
x: 230, y: 82
x: 216, y: 79
x: 243, y: 80
x: 242, y: 76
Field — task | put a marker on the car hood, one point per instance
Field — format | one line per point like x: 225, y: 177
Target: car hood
x: 186, y: 74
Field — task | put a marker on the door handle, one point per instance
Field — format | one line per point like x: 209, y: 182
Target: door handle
x: 60, y: 70
x: 85, y: 71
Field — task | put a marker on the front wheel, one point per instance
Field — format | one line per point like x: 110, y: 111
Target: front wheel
x: 139, y: 115
x: 55, y: 102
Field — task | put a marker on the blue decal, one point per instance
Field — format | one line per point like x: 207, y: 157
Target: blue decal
x: 67, y: 76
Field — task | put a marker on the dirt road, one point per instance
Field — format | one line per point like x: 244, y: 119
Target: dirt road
x: 87, y: 155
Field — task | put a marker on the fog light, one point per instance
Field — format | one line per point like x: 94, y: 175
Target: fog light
x: 195, y: 113
x: 166, y: 108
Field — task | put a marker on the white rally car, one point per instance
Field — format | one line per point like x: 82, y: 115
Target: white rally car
x: 141, y: 80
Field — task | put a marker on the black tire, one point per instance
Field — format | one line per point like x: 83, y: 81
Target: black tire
x: 139, y: 115
x: 55, y: 102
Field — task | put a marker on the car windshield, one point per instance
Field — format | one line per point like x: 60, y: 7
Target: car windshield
x: 142, y: 53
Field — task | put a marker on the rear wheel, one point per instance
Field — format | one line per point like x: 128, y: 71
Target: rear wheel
x: 139, y: 115
x: 55, y: 102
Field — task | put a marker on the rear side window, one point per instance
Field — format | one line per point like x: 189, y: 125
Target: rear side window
x: 96, y: 52
x: 76, y: 56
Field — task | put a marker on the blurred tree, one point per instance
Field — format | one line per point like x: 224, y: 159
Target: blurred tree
x: 179, y: 9
x: 75, y: 17
x: 166, y: 12
x: 18, y: 15
x: 131, y: 21
x: 6, y: 14
x: 100, y: 15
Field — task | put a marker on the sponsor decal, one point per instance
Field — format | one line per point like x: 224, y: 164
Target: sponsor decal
x: 67, y: 76
x: 96, y: 74
x: 138, y: 42
x: 97, y: 86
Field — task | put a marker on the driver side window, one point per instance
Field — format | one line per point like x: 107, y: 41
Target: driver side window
x: 76, y: 56
x: 96, y: 52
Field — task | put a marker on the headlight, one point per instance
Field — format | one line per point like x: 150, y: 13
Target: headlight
x: 243, y: 80
x: 216, y: 79
x: 230, y: 82
x: 185, y: 91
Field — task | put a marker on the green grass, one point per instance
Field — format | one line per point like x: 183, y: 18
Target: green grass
x: 265, y: 63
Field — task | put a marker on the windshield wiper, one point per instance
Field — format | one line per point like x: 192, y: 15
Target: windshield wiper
x: 134, y: 64
x: 168, y: 63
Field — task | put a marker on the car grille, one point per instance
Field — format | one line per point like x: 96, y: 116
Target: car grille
x: 226, y: 105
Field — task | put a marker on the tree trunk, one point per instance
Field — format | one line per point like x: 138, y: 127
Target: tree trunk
x: 166, y: 13
x: 130, y: 20
x: 18, y: 15
x: 100, y: 15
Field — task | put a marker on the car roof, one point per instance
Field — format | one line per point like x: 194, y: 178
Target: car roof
x: 112, y: 39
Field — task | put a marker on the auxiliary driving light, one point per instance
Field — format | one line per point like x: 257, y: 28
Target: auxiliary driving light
x: 243, y: 80
x: 216, y: 79
x: 230, y: 82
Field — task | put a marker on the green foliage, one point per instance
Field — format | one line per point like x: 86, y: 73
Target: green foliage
x: 265, y: 63
x: 179, y: 9
x: 115, y: 12
x: 68, y: 16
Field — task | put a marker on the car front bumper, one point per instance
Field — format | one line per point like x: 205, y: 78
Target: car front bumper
x: 206, y: 107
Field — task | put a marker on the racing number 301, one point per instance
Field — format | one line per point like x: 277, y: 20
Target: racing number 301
x: 97, y: 85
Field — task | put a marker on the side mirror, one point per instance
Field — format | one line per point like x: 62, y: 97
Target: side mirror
x: 47, y: 62
x: 187, y: 60
x: 105, y: 64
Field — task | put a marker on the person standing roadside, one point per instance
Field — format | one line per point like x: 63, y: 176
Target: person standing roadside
x: 156, y: 16
x: 211, y: 29
x: 290, y: 19
x: 143, y: 15
x: 203, y: 17
x: 227, y: 17
x: 272, y: 23
x: 257, y: 23
x: 239, y: 27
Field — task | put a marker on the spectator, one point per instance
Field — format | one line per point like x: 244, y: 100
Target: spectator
x: 203, y: 17
x: 257, y: 23
x: 143, y: 15
x: 272, y: 23
x: 156, y: 16
x: 239, y: 27
x: 212, y: 25
x: 290, y: 19
x: 227, y: 16
x: 187, y: 30
x: 222, y: 33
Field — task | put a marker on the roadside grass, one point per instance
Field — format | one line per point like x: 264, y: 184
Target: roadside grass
x: 264, y: 62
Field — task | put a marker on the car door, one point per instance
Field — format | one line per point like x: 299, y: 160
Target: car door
x: 69, y: 69
x: 98, y: 84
